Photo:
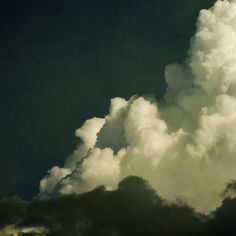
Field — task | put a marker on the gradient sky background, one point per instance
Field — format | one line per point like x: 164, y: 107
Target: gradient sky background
x: 62, y: 61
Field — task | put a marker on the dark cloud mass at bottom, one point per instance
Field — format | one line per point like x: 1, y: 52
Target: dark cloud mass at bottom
x: 133, y: 209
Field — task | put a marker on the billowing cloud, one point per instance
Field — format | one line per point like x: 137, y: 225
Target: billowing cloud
x: 185, y: 146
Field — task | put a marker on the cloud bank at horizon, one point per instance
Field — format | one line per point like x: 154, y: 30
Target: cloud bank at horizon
x: 132, y: 209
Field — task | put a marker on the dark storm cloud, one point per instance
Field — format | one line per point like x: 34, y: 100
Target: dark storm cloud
x: 223, y: 222
x: 133, y: 209
x: 11, y: 210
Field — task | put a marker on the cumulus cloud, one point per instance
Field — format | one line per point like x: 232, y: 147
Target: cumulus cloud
x: 185, y: 145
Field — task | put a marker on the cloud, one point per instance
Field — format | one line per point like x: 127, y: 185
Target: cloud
x: 221, y: 222
x: 184, y: 145
x: 11, y: 230
x: 11, y: 209
x: 134, y: 208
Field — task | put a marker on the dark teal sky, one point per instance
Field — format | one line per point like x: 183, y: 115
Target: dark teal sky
x: 62, y: 61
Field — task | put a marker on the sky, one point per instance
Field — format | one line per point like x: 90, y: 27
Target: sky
x: 118, y: 118
x: 62, y: 62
